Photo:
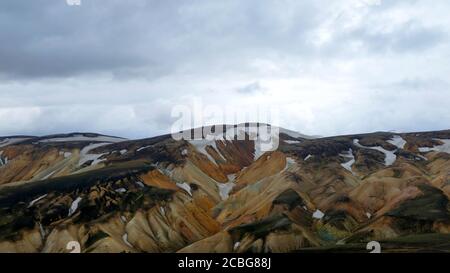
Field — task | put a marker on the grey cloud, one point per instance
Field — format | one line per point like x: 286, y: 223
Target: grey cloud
x: 251, y: 88
x: 415, y: 84
x: 154, y: 39
x: 143, y: 38
x: 410, y: 36
x: 49, y: 38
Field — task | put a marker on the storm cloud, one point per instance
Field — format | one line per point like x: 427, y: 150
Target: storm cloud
x: 119, y: 67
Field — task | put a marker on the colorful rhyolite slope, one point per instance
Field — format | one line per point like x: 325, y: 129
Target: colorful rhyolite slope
x: 161, y: 195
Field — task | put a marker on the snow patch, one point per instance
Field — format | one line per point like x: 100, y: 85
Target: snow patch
x: 318, y: 214
x: 390, y: 156
x: 121, y: 190
x: 444, y: 148
x: 368, y: 215
x: 65, y: 154
x: 125, y: 240
x: 348, y: 165
x: 397, y: 141
x: 9, y: 141
x: 225, y: 188
x: 421, y: 157
x: 3, y: 160
x: 236, y: 245
x: 74, y: 206
x: 185, y: 186
x: 36, y: 200
x: 143, y: 148
x: 308, y: 157
x: 122, y: 152
x: 292, y: 141
x: 85, y: 156
x: 201, y: 144
x: 140, y: 184
x: 48, y: 175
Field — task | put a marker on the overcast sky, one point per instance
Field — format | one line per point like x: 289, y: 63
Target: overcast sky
x: 119, y: 67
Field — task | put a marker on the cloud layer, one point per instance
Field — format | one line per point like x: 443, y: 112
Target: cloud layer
x: 119, y: 67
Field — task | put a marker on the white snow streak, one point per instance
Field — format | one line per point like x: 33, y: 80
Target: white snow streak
x: 140, y: 184
x: 9, y: 141
x: 444, y: 148
x: 48, y: 175
x: 65, y: 154
x: 318, y: 214
x: 201, y: 144
x: 225, y: 188
x: 3, y: 160
x: 398, y: 141
x: 185, y: 186
x: 36, y: 200
x: 390, y: 156
x: 143, y: 148
x: 83, y: 138
x: 85, y: 156
x: 236, y: 246
x: 348, y: 165
x: 292, y: 141
x: 74, y: 206
x: 125, y: 240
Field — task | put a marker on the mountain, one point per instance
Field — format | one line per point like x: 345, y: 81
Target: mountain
x: 331, y: 194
